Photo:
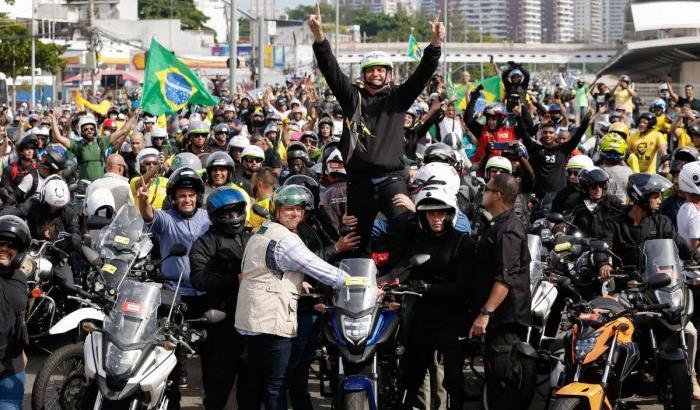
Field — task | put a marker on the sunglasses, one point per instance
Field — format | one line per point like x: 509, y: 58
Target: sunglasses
x: 255, y: 160
x: 601, y: 186
x: 198, y: 136
x: 572, y: 172
x: 86, y: 129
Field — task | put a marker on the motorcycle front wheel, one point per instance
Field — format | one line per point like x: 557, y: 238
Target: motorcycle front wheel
x: 569, y: 403
x: 60, y: 380
x: 679, y: 384
x: 356, y: 400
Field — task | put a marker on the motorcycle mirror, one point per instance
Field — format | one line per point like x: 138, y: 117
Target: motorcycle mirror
x: 659, y: 281
x: 214, y: 316
x: 73, y: 187
x: 260, y: 210
x: 92, y: 256
x: 178, y: 249
x: 418, y: 260
x: 564, y: 282
x: 555, y: 217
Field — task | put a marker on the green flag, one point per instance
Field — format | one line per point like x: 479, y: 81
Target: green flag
x: 169, y: 84
x: 414, y: 50
x: 493, y: 90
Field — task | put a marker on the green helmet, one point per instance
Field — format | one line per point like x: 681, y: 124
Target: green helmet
x: 291, y: 195
x: 376, y: 58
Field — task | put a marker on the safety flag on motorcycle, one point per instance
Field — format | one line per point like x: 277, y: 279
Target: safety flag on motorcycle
x: 414, y: 50
x: 169, y: 85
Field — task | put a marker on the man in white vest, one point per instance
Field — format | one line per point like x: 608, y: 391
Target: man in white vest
x: 274, y: 264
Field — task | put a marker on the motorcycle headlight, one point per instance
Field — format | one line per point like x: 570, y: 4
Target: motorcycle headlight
x: 583, y: 346
x: 119, y: 362
x: 674, y: 299
x: 44, y: 268
x: 356, y: 329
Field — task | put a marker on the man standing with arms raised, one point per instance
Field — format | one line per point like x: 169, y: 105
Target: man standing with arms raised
x: 372, y: 140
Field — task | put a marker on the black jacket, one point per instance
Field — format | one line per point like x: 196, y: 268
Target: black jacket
x: 38, y: 219
x: 382, y: 114
x: 627, y: 240
x: 13, y: 333
x: 215, y: 262
x: 567, y: 199
x: 592, y: 224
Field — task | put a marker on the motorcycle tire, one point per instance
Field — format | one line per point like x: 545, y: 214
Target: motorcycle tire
x: 526, y: 390
x: 681, y: 387
x: 568, y: 403
x: 73, y: 380
x: 356, y: 400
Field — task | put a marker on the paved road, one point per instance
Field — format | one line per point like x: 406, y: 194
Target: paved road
x: 192, y: 396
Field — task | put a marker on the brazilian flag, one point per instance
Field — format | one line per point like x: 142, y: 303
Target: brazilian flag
x: 169, y: 84
x: 414, y: 50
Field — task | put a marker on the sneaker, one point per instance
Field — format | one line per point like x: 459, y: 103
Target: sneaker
x: 182, y: 382
x: 696, y: 388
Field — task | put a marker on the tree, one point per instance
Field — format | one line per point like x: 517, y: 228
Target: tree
x: 190, y: 17
x: 16, y: 46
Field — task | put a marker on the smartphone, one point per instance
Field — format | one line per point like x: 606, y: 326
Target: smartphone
x: 501, y: 146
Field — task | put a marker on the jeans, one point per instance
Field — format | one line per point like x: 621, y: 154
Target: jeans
x: 268, y: 357
x: 12, y: 391
x: 304, y: 347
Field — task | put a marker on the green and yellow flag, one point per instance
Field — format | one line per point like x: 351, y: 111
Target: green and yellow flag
x: 493, y: 91
x: 169, y: 84
x: 414, y: 50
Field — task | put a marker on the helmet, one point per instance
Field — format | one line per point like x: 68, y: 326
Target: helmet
x: 229, y: 107
x: 438, y: 173
x: 663, y: 87
x: 651, y: 119
x: 515, y: 72
x: 306, y: 181
x: 13, y: 229
x: 658, y: 103
x: 332, y: 160
x: 325, y: 120
x: 309, y: 134
x: 625, y: 78
x: 689, y: 178
x: 238, y: 141
x: 297, y: 150
x: 198, y: 127
x: 55, y: 192
x: 100, y: 199
x: 221, y: 128
x: 222, y: 201
x: 253, y: 151
x: 686, y: 154
x: 186, y: 159
x: 495, y: 110
x: 412, y: 111
x: 158, y: 132
x: 220, y: 159
x: 28, y: 141
x: 270, y: 128
x: 145, y: 154
x: 453, y: 140
x: 553, y: 107
x: 184, y: 177
x: 640, y: 186
x: 440, y: 152
x: 579, y: 162
x: 291, y: 195
x: 592, y: 176
x: 41, y: 132
x: 693, y: 130
x: 435, y: 197
x: 273, y: 116
x: 86, y: 120
x: 621, y: 128
x: 149, y: 119
x: 54, y: 159
x: 376, y: 58
x: 500, y: 163
x: 613, y: 147
x: 295, y: 101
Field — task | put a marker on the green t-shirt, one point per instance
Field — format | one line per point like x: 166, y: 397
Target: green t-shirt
x: 91, y: 161
x: 581, y: 95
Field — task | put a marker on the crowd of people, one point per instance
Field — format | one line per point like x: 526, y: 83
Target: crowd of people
x: 270, y: 191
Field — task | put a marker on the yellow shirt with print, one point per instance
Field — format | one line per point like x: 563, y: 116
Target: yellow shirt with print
x: 662, y: 124
x: 645, y: 148
x: 257, y: 220
x: 157, y: 191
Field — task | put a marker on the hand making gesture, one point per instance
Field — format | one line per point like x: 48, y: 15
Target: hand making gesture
x: 437, y: 30
x: 316, y: 25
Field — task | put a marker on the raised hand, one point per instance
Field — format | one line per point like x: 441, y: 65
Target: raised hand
x: 437, y: 31
x: 316, y: 25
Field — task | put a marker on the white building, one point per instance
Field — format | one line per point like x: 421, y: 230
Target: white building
x: 525, y: 21
x: 557, y: 21
x: 218, y: 17
x: 263, y: 8
x: 588, y: 21
x: 489, y: 16
x: 375, y: 6
x: 613, y: 20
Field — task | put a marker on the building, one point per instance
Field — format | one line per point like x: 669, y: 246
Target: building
x: 218, y: 17
x: 263, y: 8
x: 557, y: 21
x: 487, y: 16
x: 588, y: 21
x: 525, y: 21
x: 613, y: 17
x: 389, y: 7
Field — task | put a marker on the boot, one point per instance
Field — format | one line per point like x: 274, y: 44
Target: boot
x: 696, y: 386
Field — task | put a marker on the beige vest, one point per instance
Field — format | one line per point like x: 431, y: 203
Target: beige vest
x: 266, y: 303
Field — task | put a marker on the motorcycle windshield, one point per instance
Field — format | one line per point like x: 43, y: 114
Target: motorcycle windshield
x: 661, y: 256
x: 133, y: 320
x: 121, y: 237
x: 358, y: 292
x: 534, y: 244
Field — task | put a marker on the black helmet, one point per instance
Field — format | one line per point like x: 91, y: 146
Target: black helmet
x: 307, y: 182
x: 651, y: 119
x: 440, y: 152
x: 13, y: 229
x: 185, y: 177
x: 222, y: 201
x: 309, y: 134
x: 694, y: 129
x: 54, y: 159
x: 592, y: 176
x: 220, y: 159
x: 28, y: 140
x: 297, y: 150
x: 640, y: 186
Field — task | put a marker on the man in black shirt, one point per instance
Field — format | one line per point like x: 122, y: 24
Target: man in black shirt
x: 501, y: 294
x: 689, y: 99
x: 372, y: 142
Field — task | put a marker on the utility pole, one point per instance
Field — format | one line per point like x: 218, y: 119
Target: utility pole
x: 91, y: 47
x: 232, y: 48
x: 444, y: 46
x: 32, y: 98
x: 337, y: 24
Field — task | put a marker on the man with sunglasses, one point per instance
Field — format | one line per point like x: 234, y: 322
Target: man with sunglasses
x: 115, y: 181
x: 197, y: 138
x: 252, y: 158
x: 596, y: 205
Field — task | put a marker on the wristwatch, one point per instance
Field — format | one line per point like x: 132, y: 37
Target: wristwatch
x: 485, y: 311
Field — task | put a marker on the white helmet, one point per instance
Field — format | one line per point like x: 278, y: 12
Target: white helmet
x: 98, y: 200
x: 86, y: 120
x: 334, y: 163
x: 438, y: 173
x: 41, y: 131
x: 689, y: 178
x: 55, y: 192
x: 158, y: 132
x: 144, y: 154
x: 579, y: 162
x: 499, y: 162
x: 434, y: 197
x: 238, y: 141
x: 253, y: 151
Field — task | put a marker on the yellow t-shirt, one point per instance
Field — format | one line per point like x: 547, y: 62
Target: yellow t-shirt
x: 661, y: 124
x: 257, y: 220
x: 624, y: 97
x: 645, y: 148
x: 156, y: 191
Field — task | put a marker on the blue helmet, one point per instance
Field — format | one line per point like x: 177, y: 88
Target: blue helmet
x: 226, y: 207
x: 658, y: 103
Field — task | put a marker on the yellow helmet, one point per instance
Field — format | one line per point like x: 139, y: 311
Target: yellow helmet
x: 620, y: 128
x: 613, y: 147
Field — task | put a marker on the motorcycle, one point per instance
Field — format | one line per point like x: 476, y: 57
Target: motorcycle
x: 544, y: 293
x: 600, y: 349
x: 364, y: 330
